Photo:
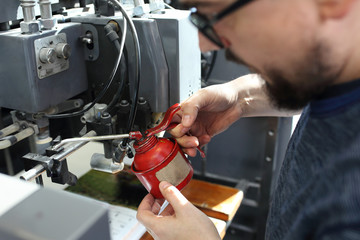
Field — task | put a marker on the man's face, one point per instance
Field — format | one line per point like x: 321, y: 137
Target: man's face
x: 278, y: 39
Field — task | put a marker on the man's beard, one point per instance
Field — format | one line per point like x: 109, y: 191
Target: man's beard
x: 310, y: 79
x: 287, y: 96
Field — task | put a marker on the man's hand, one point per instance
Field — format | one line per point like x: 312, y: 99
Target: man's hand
x: 180, y: 220
x: 208, y: 112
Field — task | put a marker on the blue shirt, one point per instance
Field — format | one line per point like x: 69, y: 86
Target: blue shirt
x: 317, y: 195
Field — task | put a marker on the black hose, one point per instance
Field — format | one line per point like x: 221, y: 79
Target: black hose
x: 212, y: 64
x: 121, y: 87
x: 134, y: 102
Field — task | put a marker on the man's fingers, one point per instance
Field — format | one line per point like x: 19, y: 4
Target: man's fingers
x: 146, y: 203
x: 188, y: 141
x: 179, y: 131
x: 204, y: 139
x: 169, y: 211
x: 145, y: 213
x: 173, y: 196
x: 157, y: 206
x: 189, y: 113
x: 190, y: 151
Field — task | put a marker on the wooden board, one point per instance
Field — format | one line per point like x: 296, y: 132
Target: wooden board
x: 214, y: 200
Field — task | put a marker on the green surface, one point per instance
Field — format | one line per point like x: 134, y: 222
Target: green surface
x: 121, y: 189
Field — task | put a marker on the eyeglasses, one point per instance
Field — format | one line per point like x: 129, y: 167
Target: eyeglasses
x: 205, y: 25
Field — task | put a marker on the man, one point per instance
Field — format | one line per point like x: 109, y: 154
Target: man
x: 306, y: 55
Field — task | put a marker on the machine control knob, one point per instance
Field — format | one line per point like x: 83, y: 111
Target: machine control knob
x: 63, y: 50
x: 47, y: 55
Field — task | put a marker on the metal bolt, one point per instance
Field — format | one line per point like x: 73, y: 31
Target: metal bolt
x: 268, y: 159
x: 105, y: 114
x: 141, y: 100
x: 124, y: 102
x: 63, y: 50
x: 271, y: 133
x: 47, y: 55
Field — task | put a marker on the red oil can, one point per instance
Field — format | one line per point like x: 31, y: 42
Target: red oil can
x: 161, y: 159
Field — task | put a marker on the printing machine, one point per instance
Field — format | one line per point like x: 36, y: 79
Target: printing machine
x: 105, y: 67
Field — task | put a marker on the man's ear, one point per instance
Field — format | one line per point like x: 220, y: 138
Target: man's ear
x: 334, y: 8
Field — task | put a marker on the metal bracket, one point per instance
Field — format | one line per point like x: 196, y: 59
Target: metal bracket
x: 54, y: 64
x: 55, y: 168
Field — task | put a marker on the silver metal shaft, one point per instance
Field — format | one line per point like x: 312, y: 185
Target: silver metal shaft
x: 97, y: 138
x: 28, y: 7
x: 45, y: 9
x: 33, y: 173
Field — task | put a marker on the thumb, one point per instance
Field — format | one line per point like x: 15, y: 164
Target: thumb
x: 173, y: 196
x: 189, y: 114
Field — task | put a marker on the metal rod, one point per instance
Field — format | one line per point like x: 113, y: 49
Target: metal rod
x: 71, y: 147
x: 45, y: 9
x: 97, y: 138
x: 28, y: 7
x: 139, y: 3
x: 33, y: 173
x: 9, y: 129
x: 11, y: 140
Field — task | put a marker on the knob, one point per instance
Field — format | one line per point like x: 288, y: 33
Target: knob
x: 63, y: 50
x: 47, y: 55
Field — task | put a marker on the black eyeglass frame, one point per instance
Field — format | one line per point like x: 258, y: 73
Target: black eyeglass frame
x: 205, y: 25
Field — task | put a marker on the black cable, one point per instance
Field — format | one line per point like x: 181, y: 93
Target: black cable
x: 121, y: 87
x: 137, y: 70
x: 212, y: 64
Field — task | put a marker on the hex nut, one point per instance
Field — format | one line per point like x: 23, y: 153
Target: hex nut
x: 30, y: 27
x: 48, y: 23
x: 141, y: 10
x: 155, y: 6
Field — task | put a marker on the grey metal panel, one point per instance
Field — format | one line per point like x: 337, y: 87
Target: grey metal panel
x: 169, y: 31
x: 10, y: 11
x: 15, y: 72
x: 180, y: 41
x: 21, y: 88
x: 49, y: 214
x: 155, y: 82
